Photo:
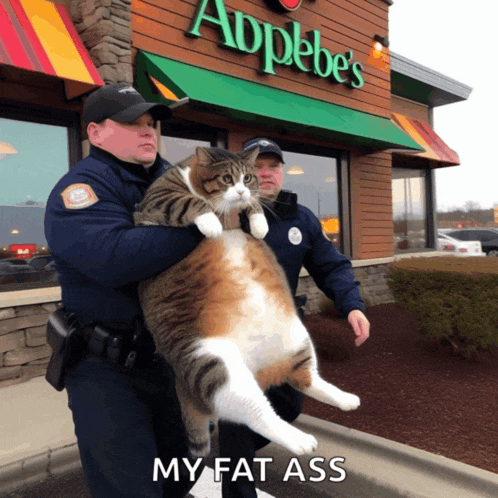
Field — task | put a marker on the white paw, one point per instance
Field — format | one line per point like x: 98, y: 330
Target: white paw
x: 209, y: 225
x: 301, y: 443
x: 258, y: 225
x: 348, y: 402
x: 295, y: 440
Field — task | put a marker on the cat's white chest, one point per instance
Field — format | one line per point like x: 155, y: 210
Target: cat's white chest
x: 234, y: 242
x: 263, y: 329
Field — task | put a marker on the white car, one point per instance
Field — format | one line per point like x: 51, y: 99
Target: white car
x: 459, y: 247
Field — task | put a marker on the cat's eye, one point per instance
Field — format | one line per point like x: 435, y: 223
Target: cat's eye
x: 247, y: 178
x: 227, y: 179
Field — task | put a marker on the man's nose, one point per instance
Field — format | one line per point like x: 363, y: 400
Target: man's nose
x: 147, y: 130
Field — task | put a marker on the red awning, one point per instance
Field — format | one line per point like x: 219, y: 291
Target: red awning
x: 38, y: 35
x: 427, y: 138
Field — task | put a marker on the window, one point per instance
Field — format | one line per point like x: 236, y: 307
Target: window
x: 177, y: 149
x: 485, y: 235
x: 314, y: 179
x: 409, y: 209
x: 33, y: 157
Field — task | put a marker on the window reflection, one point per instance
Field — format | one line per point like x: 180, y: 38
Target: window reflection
x: 28, y: 176
x: 177, y: 149
x: 314, y: 180
x: 409, y: 209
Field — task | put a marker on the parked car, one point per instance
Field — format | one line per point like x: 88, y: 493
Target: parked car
x: 459, y: 247
x: 487, y: 236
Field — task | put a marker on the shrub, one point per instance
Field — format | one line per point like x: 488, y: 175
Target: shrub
x: 456, y: 304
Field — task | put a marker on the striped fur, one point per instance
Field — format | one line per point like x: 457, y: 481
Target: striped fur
x: 224, y: 317
x: 196, y: 186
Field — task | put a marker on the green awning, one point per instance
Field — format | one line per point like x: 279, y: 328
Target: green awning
x: 160, y: 79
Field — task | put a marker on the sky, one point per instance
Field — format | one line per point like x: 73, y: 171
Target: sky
x: 456, y: 38
x: 45, y: 144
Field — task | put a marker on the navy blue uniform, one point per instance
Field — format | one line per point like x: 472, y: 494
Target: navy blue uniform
x: 123, y: 418
x: 99, y: 255
x: 296, y: 237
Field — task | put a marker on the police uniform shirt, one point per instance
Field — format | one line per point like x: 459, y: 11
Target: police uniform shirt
x: 100, y: 256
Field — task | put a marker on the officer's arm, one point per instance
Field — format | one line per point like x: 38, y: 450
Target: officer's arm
x: 101, y: 241
x: 331, y: 271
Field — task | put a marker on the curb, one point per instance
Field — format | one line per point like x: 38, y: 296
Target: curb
x: 30, y: 470
x: 377, y: 467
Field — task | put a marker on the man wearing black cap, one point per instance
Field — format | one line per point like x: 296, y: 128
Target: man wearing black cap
x: 122, y: 397
x: 297, y: 239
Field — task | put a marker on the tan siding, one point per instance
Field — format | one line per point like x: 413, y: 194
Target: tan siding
x: 371, y: 205
x: 410, y: 109
x: 344, y: 25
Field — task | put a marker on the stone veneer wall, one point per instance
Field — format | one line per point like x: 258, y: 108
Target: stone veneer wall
x: 373, y: 288
x: 24, y: 352
x: 104, y: 27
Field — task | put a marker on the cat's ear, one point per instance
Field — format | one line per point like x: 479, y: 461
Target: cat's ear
x: 250, y: 155
x: 204, y: 158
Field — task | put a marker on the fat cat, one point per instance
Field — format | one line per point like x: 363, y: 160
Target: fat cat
x: 224, y: 317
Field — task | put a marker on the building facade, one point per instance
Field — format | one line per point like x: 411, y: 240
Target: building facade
x: 354, y: 121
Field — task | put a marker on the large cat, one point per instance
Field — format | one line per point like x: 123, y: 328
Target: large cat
x: 224, y: 317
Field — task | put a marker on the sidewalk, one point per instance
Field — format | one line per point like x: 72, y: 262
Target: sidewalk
x: 37, y: 440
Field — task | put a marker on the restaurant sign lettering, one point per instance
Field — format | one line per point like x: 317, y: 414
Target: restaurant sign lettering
x: 277, y: 45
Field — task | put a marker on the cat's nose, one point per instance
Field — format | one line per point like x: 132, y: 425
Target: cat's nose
x: 240, y: 192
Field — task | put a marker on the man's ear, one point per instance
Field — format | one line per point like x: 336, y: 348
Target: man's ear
x: 96, y: 132
x: 93, y: 133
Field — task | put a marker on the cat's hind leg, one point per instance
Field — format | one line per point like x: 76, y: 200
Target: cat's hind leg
x: 196, y: 424
x: 241, y: 400
x: 304, y: 376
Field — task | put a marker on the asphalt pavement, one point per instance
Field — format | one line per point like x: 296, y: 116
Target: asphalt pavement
x: 38, y: 454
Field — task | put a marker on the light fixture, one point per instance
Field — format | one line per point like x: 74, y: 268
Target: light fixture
x: 383, y: 40
x: 6, y: 150
x: 14, y: 231
x: 295, y: 170
x: 379, y: 53
x: 329, y: 179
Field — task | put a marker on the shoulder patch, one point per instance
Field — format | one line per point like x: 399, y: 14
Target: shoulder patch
x: 78, y: 196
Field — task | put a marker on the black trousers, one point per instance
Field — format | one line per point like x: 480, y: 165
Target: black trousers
x: 238, y: 441
x: 124, y: 420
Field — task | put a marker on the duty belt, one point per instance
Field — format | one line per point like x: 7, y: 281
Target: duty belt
x: 128, y: 347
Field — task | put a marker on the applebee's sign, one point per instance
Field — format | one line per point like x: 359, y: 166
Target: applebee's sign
x: 246, y: 35
x: 285, y: 5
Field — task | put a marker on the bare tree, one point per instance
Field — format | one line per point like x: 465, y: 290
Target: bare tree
x: 472, y: 206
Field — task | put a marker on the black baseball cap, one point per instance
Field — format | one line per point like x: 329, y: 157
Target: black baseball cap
x: 265, y: 146
x: 122, y: 103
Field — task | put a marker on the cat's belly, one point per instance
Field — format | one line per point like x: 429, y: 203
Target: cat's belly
x: 267, y: 333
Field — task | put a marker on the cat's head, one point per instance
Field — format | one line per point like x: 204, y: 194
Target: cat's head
x: 227, y: 179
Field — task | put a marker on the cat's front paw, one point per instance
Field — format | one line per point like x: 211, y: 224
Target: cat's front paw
x: 209, y: 225
x: 348, y: 402
x: 258, y: 225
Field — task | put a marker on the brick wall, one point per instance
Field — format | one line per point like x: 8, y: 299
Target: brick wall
x: 24, y: 352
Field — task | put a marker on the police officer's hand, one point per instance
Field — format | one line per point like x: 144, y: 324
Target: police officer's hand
x: 361, y: 326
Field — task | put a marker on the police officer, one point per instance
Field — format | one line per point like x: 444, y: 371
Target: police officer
x: 296, y: 237
x: 123, y: 400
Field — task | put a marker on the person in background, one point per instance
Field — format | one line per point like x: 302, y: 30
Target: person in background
x: 295, y: 235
